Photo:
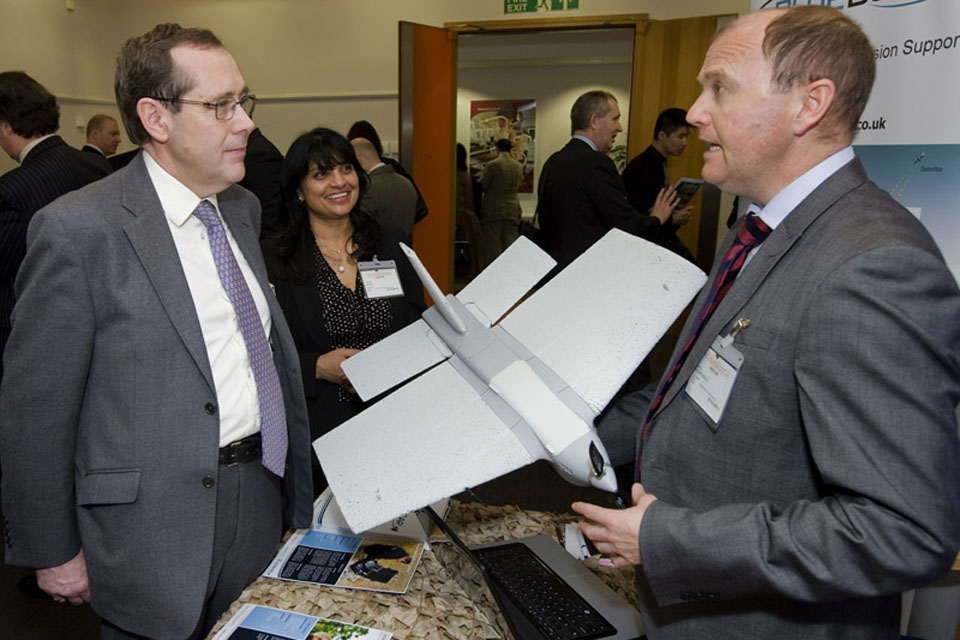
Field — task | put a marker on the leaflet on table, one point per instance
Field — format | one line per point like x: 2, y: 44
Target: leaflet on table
x: 337, y: 559
x: 253, y: 622
x: 413, y: 526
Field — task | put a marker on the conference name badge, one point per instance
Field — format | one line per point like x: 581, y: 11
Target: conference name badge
x: 380, y: 279
x: 712, y: 381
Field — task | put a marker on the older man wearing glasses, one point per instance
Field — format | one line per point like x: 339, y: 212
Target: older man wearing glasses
x: 153, y: 435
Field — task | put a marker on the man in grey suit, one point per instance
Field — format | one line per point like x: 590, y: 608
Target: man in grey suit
x: 390, y: 198
x: 153, y: 432
x: 799, y: 461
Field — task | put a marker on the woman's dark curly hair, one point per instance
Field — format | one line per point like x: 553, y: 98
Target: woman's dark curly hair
x: 326, y: 149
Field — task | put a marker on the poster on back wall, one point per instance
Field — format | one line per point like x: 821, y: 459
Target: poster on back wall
x: 909, y: 138
x: 515, y: 120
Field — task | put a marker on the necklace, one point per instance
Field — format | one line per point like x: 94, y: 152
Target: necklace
x: 339, y: 258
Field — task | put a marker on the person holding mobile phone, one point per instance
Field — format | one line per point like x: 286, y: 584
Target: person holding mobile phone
x: 646, y: 179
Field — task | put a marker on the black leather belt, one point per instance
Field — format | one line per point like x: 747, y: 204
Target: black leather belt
x: 243, y: 450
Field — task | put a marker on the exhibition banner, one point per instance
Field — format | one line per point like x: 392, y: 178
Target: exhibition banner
x: 909, y: 139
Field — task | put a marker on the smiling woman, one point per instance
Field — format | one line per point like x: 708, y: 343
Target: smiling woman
x: 317, y: 262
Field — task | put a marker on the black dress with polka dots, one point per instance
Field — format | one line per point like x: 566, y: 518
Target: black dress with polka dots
x: 351, y: 320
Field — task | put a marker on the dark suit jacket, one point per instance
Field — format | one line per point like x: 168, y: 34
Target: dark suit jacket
x: 115, y: 447
x: 120, y: 160
x: 643, y: 178
x: 304, y: 311
x: 392, y: 200
x: 579, y: 198
x: 263, y: 162
x: 100, y: 159
x: 51, y: 169
x: 830, y: 484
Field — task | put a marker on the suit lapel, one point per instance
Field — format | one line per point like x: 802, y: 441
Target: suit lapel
x: 777, y: 245
x: 151, y: 240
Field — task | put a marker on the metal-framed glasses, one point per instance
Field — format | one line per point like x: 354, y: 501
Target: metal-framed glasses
x: 223, y: 109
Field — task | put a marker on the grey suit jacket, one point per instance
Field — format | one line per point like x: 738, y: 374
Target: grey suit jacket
x: 392, y: 200
x: 108, y: 423
x: 830, y: 483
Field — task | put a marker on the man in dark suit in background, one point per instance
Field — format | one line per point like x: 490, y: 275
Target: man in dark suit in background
x: 49, y: 168
x: 153, y: 432
x: 580, y: 195
x: 799, y: 459
x: 103, y: 137
x: 646, y: 176
x: 263, y: 162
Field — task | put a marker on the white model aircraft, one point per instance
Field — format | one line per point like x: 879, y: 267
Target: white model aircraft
x: 503, y: 391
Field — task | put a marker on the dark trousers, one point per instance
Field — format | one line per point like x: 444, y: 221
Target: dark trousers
x: 246, y: 536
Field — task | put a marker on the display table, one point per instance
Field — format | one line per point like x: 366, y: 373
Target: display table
x: 435, y: 606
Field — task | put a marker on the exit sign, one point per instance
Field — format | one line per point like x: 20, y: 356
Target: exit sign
x: 532, y: 6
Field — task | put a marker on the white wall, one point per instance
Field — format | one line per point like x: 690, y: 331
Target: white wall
x: 315, y: 61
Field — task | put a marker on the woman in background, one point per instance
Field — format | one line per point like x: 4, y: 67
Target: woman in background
x: 314, y: 264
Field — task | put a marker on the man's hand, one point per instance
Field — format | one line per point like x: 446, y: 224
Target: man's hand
x: 617, y: 531
x: 664, y: 205
x: 66, y: 582
x: 681, y: 217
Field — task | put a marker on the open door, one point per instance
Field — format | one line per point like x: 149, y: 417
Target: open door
x: 428, y: 86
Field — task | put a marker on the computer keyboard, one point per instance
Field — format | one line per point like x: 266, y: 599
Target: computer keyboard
x: 548, y: 602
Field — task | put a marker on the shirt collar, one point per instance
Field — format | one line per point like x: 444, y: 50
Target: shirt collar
x: 587, y: 140
x: 376, y: 166
x: 794, y: 193
x: 177, y: 200
x: 95, y: 148
x: 30, y: 145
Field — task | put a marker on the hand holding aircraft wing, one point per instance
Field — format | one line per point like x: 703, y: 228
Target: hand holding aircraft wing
x: 507, y: 393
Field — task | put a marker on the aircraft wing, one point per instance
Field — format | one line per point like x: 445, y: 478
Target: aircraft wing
x: 446, y: 426
x: 505, y: 281
x: 397, y: 357
x: 597, y: 319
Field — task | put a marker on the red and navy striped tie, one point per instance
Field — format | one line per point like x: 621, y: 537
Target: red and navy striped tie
x: 752, y: 232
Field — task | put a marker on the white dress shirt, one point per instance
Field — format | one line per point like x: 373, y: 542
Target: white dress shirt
x: 226, y: 351
x: 796, y: 192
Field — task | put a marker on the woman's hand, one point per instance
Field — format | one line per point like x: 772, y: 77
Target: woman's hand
x: 328, y: 367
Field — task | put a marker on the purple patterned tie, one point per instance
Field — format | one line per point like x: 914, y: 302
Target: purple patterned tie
x: 752, y: 232
x: 273, y: 419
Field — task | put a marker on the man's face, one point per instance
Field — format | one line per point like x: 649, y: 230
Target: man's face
x: 206, y: 153
x: 675, y: 142
x: 107, y: 137
x: 741, y: 118
x: 605, y: 129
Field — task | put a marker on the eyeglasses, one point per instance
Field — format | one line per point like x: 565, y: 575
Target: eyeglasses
x: 223, y: 109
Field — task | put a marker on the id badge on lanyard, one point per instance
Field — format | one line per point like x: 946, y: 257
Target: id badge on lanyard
x: 380, y: 279
x: 712, y: 381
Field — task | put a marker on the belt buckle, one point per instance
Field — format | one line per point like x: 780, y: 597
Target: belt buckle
x: 232, y: 452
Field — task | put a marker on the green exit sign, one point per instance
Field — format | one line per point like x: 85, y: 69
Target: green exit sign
x: 519, y: 6
x: 532, y: 6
